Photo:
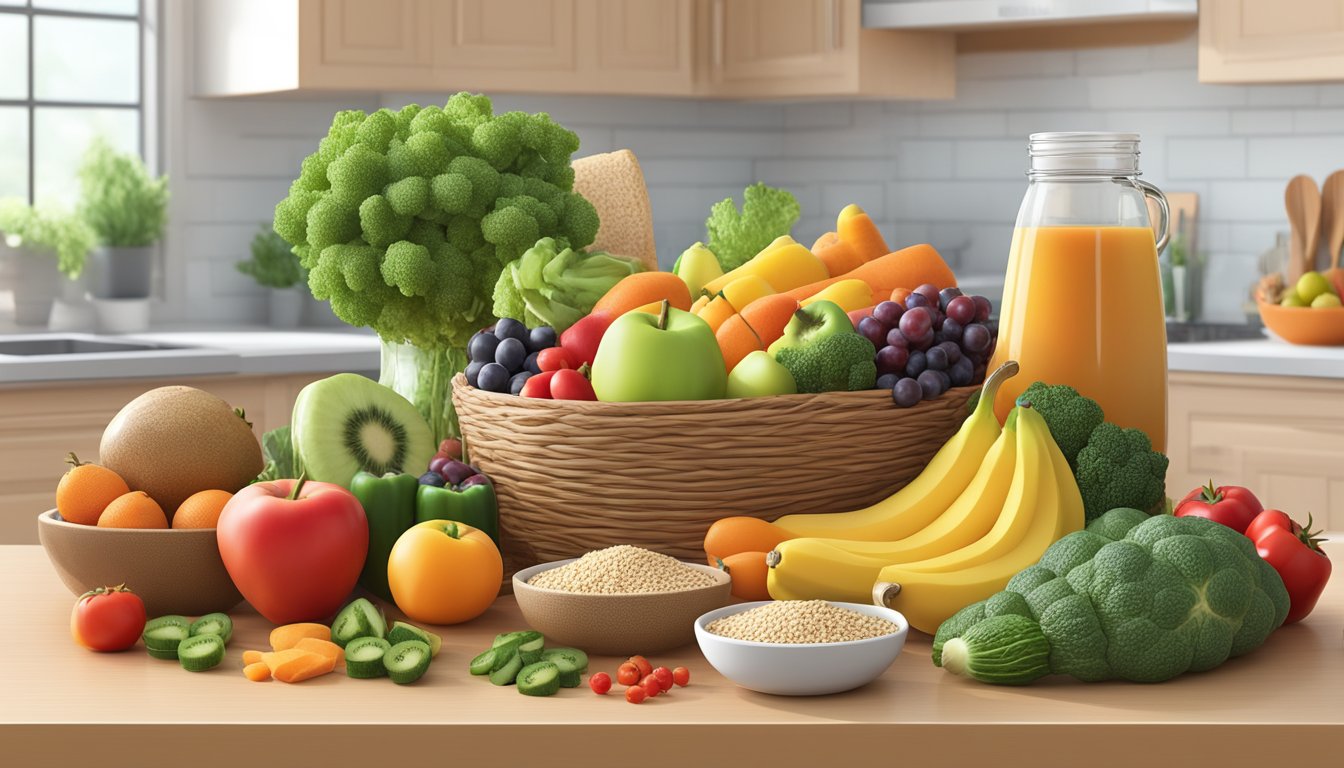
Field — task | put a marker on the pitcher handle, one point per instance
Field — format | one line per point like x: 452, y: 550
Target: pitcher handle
x: 1164, y: 217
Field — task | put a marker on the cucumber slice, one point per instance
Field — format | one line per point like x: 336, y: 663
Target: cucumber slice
x: 364, y: 657
x: 570, y: 679
x: 508, y: 637
x: 360, y: 618
x: 532, y: 644
x: 200, y: 653
x: 503, y: 655
x: 401, y: 632
x: 566, y: 659
x: 484, y: 662
x: 506, y: 674
x: 406, y: 661
x: 218, y: 624
x: 529, y: 657
x: 166, y: 632
x: 540, y: 679
x: 163, y: 655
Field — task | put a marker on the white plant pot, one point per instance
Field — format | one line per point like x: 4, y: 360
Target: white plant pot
x: 286, y: 310
x: 122, y: 315
x: 36, y: 283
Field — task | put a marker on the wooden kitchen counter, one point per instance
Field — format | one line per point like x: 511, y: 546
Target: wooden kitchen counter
x: 62, y: 705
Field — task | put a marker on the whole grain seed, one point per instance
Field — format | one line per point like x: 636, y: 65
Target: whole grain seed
x: 622, y: 570
x: 801, y: 621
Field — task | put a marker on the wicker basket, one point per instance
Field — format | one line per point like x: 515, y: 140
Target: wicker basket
x: 574, y: 476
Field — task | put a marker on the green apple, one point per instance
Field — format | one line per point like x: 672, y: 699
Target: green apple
x: 759, y: 374
x: 811, y: 324
x: 1310, y: 285
x: 1324, y: 301
x: 669, y: 356
x: 1291, y: 299
x: 697, y: 266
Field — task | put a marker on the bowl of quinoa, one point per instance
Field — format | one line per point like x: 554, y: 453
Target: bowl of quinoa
x: 620, y: 600
x: 801, y: 647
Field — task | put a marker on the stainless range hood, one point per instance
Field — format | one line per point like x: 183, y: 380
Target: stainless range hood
x: 974, y: 14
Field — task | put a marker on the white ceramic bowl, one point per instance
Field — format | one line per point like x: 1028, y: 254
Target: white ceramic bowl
x: 801, y: 669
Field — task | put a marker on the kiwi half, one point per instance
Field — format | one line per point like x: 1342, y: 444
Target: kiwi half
x: 347, y: 423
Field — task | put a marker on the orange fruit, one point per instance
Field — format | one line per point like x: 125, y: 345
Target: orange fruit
x: 201, y: 509
x: 86, y: 490
x: 133, y: 510
x: 644, y: 288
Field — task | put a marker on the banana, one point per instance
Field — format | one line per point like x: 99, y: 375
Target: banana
x: 923, y: 499
x: 810, y: 569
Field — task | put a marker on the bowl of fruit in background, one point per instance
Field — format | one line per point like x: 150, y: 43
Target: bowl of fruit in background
x: 1308, y: 313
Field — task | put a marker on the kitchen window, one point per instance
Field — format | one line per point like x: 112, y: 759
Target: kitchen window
x: 70, y: 70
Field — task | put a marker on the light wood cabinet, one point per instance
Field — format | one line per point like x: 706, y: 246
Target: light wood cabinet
x: 1281, y: 436
x: 1267, y: 41
x: 41, y: 424
x: 709, y: 48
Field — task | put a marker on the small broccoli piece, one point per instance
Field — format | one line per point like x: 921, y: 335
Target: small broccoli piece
x: 1070, y: 416
x: 330, y: 222
x: 843, y: 361
x: 408, y: 196
x: 291, y: 214
x: 377, y: 130
x: 1119, y: 468
x: 451, y: 192
x: 579, y: 220
x: 511, y: 228
x: 357, y: 174
x: 766, y: 214
x: 379, y: 224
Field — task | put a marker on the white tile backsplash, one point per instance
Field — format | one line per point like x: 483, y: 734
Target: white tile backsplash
x: 950, y: 173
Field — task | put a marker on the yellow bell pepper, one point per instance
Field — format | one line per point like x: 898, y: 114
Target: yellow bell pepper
x: 785, y: 264
x: 745, y: 290
x: 850, y: 294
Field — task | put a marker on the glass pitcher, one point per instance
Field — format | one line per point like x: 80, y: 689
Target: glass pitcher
x: 1082, y: 299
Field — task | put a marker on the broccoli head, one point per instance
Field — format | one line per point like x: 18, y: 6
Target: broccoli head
x: 1070, y: 415
x: 405, y: 219
x: 840, y: 362
x: 735, y: 237
x: 1119, y: 468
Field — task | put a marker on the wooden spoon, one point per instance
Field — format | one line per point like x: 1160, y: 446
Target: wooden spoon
x: 1332, y: 218
x: 1303, y: 201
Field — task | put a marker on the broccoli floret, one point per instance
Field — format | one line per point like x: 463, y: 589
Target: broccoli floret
x: 356, y: 174
x: 1070, y: 416
x: 843, y: 361
x: 409, y: 196
x: 766, y: 214
x: 451, y: 192
x: 1119, y: 468
x: 377, y: 130
x: 330, y: 222
x: 379, y: 224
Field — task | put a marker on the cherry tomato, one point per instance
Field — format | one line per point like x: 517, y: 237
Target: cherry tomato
x: 645, y: 668
x: 1230, y: 505
x: 651, y: 685
x: 664, y: 676
x: 627, y: 674
x: 569, y: 384
x: 108, y: 619
x: 554, y: 358
x: 635, y: 694
x: 681, y: 676
x: 600, y: 683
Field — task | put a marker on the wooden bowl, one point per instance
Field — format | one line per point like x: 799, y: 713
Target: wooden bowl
x: 1304, y: 325
x: 172, y: 570
x: 618, y: 625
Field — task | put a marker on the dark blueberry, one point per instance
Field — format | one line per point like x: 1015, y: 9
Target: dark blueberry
x: 541, y: 337
x: 511, y: 354
x: 473, y: 372
x: 516, y: 383
x: 530, y: 364
x: 432, y: 478
x: 494, y: 378
x: 508, y: 328
x: 482, y: 346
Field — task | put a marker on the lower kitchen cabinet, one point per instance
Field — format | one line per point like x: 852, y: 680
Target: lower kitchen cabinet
x: 41, y: 423
x: 1281, y: 436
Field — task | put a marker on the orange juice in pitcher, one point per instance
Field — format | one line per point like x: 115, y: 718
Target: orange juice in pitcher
x: 1082, y: 299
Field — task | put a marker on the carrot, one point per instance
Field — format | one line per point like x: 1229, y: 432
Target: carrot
x: 838, y: 255
x: 294, y: 665
x: 736, y: 340
x: 748, y: 571
x: 698, y: 304
x: 287, y: 636
x: 642, y: 288
x: 915, y: 265
x: 322, y: 648
x: 251, y: 657
x: 768, y: 316
x: 257, y: 671
x: 733, y: 535
x: 857, y: 228
x: 716, y: 312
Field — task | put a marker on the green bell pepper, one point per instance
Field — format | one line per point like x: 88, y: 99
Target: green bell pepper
x: 389, y: 505
x: 474, y: 505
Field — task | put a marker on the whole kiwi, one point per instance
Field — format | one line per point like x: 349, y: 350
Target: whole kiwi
x: 171, y: 442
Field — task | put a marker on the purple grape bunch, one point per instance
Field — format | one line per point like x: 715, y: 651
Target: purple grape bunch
x: 931, y: 342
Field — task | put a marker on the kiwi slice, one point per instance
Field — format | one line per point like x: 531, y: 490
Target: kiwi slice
x: 540, y: 679
x: 218, y: 624
x: 346, y: 423
x: 406, y: 661
x: 165, y: 633
x: 201, y: 652
x: 484, y: 662
x: 401, y: 631
x: 566, y: 659
x: 570, y: 679
x: 506, y: 674
x: 156, y: 653
x: 364, y: 657
x: 360, y: 618
x: 521, y: 636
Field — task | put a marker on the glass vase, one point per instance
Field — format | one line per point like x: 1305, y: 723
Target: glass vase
x: 425, y: 377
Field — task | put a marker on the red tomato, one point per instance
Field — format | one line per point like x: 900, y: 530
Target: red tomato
x: 554, y: 358
x: 1230, y: 505
x: 600, y: 683
x: 642, y: 664
x: 1295, y: 554
x: 582, y: 338
x: 1269, y: 520
x: 664, y: 676
x: 635, y: 694
x: 627, y: 674
x: 538, y: 386
x: 651, y: 685
x: 569, y: 384
x: 108, y: 619
x: 681, y: 676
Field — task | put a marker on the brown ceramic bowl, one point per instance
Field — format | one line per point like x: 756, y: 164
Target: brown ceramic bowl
x: 618, y: 625
x: 173, y: 571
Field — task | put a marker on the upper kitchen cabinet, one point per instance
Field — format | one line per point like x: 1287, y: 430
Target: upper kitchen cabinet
x: 1266, y: 41
x: 796, y: 48
x: 731, y: 48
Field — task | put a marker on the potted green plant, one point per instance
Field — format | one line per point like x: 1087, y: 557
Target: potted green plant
x: 42, y: 244
x: 274, y: 266
x: 127, y: 209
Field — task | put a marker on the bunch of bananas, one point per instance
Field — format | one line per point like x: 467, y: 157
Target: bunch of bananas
x: 988, y: 505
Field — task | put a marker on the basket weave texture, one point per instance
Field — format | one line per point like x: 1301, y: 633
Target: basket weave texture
x: 573, y: 476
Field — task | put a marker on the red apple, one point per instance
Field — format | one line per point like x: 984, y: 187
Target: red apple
x: 293, y: 548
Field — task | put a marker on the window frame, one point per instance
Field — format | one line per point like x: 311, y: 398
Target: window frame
x: 31, y: 104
